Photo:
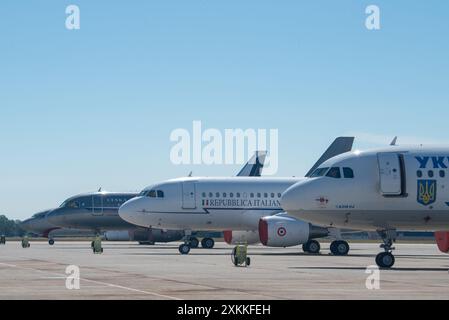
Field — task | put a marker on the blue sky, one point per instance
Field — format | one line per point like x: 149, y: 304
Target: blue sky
x: 95, y: 107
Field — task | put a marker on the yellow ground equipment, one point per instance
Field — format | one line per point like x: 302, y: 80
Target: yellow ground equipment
x: 240, y: 257
x: 2, y: 239
x: 25, y: 243
x: 96, y: 246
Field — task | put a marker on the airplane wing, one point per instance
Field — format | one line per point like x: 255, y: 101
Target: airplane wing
x: 339, y: 146
x: 254, y: 167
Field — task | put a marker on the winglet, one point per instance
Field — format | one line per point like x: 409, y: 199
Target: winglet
x: 339, y: 146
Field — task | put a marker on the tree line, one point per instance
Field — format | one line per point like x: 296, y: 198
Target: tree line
x: 10, y: 228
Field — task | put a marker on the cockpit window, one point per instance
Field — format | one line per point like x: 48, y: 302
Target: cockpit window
x: 348, y: 173
x: 319, y: 172
x: 152, y: 194
x: 334, y: 173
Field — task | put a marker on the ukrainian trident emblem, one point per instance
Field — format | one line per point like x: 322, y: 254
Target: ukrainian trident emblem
x: 427, y: 191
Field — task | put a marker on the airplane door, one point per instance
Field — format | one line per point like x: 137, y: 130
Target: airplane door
x: 188, y: 195
x: 390, y: 174
x: 98, y: 205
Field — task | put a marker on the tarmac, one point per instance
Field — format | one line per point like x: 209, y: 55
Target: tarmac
x: 127, y: 270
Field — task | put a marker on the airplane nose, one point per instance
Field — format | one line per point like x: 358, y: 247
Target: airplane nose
x: 294, y: 199
x: 56, y: 218
x: 129, y: 210
x: 27, y: 225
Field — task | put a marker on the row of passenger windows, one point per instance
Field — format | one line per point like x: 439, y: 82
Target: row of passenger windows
x: 334, y: 172
x: 431, y: 173
x: 241, y: 195
x: 152, y: 193
x: 98, y: 202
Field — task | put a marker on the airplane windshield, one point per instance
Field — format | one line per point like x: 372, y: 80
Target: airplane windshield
x: 320, y: 172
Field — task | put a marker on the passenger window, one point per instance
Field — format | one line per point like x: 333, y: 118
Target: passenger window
x: 217, y: 195
x: 442, y: 173
x: 231, y: 195
x: 419, y: 174
x: 265, y: 195
x: 334, y: 173
x: 272, y: 195
x: 259, y: 195
x: 211, y: 194
x: 224, y: 194
x: 348, y: 173
x: 251, y: 195
x: 204, y: 194
x: 279, y: 195
x: 238, y: 195
x: 430, y: 173
x: 160, y: 194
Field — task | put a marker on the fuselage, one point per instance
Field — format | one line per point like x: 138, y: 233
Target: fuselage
x: 390, y: 188
x: 235, y: 203
x: 92, y: 211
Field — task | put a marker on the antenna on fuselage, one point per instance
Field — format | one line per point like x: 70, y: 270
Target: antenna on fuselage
x: 190, y: 174
x: 393, y: 143
x: 99, y: 190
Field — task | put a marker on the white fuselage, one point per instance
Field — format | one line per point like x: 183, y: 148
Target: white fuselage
x: 235, y: 203
x: 393, y: 188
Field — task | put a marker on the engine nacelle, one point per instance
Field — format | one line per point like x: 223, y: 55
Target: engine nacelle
x: 442, y: 238
x: 236, y: 237
x: 284, y: 231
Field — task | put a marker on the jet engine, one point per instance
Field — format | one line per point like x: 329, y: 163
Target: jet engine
x: 236, y: 237
x: 442, y: 238
x: 284, y: 231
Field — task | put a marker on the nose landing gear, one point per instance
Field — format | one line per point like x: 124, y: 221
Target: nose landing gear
x: 386, y: 259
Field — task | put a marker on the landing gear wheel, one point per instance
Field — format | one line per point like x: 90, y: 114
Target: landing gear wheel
x: 184, y: 249
x: 339, y: 248
x: 312, y: 247
x: 207, y: 243
x: 248, y: 261
x: 51, y: 242
x: 194, y: 243
x: 385, y: 260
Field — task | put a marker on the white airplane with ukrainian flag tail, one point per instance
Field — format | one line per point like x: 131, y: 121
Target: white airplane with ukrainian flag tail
x: 383, y: 190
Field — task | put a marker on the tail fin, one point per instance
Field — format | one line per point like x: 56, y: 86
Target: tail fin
x: 339, y: 146
x: 254, y: 167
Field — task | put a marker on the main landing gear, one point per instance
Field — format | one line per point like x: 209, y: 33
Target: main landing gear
x: 193, y: 243
x: 339, y: 248
x: 51, y: 242
x: 312, y: 247
x: 386, y: 260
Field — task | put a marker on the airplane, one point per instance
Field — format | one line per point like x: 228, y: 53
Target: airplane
x: 98, y: 212
x: 38, y: 225
x: 382, y: 190
x: 247, y: 207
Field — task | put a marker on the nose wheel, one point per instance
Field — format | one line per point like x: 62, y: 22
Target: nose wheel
x: 184, y: 249
x: 386, y: 260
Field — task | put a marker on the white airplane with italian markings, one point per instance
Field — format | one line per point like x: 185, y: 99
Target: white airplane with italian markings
x: 248, y: 207
x: 383, y: 190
